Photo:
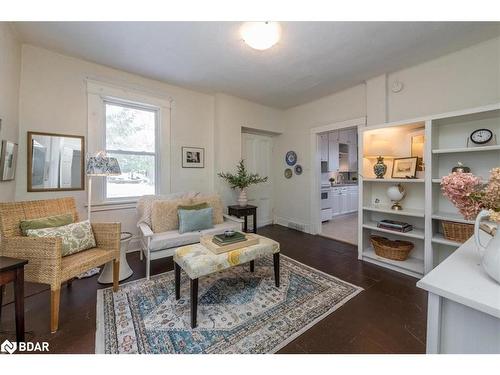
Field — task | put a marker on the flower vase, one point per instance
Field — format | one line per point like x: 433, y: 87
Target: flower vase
x: 243, y: 199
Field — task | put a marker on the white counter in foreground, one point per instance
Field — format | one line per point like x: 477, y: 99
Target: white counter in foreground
x: 464, y: 304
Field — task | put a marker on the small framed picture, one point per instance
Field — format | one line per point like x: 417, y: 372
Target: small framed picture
x: 193, y: 157
x: 8, y: 157
x: 404, y: 167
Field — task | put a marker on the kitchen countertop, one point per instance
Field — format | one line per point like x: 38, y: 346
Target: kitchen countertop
x: 340, y: 185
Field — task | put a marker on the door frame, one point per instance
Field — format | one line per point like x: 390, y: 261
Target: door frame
x: 315, y: 222
x: 271, y: 136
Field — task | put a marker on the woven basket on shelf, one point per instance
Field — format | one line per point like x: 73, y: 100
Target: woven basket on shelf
x: 395, y: 250
x: 458, y: 232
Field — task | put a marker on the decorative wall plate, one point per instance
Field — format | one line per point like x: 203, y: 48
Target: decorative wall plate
x: 298, y: 169
x: 288, y: 173
x: 291, y: 158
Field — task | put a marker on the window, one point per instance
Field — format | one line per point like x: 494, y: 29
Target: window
x: 131, y: 137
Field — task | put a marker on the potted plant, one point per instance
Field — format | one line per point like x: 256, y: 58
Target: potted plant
x: 242, y: 180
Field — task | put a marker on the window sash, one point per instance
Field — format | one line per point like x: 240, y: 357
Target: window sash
x: 155, y: 154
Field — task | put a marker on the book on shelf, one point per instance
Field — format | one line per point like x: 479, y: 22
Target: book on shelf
x: 397, y: 226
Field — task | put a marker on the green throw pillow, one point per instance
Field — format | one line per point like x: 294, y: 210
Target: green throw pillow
x: 195, y: 220
x: 75, y: 237
x: 198, y: 206
x: 46, y: 222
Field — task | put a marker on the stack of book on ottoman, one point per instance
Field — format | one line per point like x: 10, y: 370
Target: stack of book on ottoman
x: 397, y: 226
x: 222, y: 243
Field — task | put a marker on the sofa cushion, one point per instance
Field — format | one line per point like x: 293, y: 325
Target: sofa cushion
x: 195, y: 220
x: 173, y: 238
x: 214, y: 201
x: 164, y: 216
x: 220, y: 228
x: 198, y: 206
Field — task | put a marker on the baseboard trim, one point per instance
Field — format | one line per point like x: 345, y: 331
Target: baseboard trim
x: 285, y: 222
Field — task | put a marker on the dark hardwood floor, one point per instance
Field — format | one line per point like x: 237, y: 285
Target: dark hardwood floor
x: 389, y: 316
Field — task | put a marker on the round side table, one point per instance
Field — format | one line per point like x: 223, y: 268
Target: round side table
x: 106, y: 276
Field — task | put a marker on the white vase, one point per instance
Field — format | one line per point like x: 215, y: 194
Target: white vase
x: 243, y: 199
x: 490, y: 254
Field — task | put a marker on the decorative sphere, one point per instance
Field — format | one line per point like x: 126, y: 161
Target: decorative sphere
x: 396, y: 193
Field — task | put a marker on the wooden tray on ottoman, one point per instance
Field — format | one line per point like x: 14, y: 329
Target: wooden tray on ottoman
x: 217, y: 249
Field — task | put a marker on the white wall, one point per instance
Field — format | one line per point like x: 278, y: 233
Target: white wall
x: 10, y: 70
x: 53, y: 98
x: 464, y: 79
x: 231, y: 115
x: 293, y: 200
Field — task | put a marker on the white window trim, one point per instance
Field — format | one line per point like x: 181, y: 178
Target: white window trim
x: 99, y: 93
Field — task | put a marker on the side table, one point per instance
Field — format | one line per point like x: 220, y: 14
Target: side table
x: 245, y: 211
x: 12, y: 270
x: 106, y: 276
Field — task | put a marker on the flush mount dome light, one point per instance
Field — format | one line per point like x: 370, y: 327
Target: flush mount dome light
x: 261, y: 35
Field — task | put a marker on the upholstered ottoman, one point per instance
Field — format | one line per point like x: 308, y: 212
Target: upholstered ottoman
x: 197, y: 261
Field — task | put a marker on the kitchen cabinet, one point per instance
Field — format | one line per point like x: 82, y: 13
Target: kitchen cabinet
x: 344, y: 136
x: 323, y: 147
x: 344, y: 200
x: 333, y: 152
x: 353, y: 150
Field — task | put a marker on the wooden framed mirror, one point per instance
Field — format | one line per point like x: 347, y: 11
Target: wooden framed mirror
x: 56, y: 162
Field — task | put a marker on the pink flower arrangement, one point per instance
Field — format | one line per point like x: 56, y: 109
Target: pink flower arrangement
x: 467, y: 193
x: 458, y: 187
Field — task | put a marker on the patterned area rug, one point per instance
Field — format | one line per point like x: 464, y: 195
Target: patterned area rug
x: 238, y: 311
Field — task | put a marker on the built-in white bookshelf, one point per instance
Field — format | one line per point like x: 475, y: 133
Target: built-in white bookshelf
x: 424, y: 207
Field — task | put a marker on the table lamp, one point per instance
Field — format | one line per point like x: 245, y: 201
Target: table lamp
x: 100, y: 165
x: 378, y: 148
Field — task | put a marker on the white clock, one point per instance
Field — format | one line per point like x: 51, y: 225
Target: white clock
x: 481, y: 136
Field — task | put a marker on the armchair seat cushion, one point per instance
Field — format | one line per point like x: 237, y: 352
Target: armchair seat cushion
x: 74, y: 264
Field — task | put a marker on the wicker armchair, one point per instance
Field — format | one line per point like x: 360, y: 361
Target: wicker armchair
x: 46, y: 265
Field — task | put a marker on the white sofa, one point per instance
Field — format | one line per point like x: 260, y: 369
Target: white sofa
x: 162, y: 245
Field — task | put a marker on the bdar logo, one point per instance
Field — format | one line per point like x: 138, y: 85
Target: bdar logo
x: 8, y: 347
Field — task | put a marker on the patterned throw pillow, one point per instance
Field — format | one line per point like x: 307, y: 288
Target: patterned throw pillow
x: 75, y: 237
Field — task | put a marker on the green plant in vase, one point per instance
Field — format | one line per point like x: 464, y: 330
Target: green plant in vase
x: 242, y: 180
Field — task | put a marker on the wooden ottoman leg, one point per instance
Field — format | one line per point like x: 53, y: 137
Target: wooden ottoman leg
x: 276, y: 263
x: 194, y: 302
x: 177, y: 271
x: 252, y: 265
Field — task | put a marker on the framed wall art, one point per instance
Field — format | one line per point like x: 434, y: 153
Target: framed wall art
x: 193, y: 157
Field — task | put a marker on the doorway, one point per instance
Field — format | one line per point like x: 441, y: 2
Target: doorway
x: 257, y: 150
x: 335, y: 203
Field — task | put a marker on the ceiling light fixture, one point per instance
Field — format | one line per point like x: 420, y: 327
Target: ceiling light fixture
x: 261, y: 35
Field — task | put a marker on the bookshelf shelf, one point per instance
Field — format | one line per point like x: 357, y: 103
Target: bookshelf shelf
x: 412, y: 266
x: 465, y: 149
x: 416, y: 233
x: 444, y: 140
x: 387, y: 209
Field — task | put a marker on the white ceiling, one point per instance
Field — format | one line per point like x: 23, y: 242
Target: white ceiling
x: 313, y: 59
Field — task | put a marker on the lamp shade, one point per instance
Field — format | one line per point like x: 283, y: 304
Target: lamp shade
x: 103, y: 165
x: 376, y: 147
